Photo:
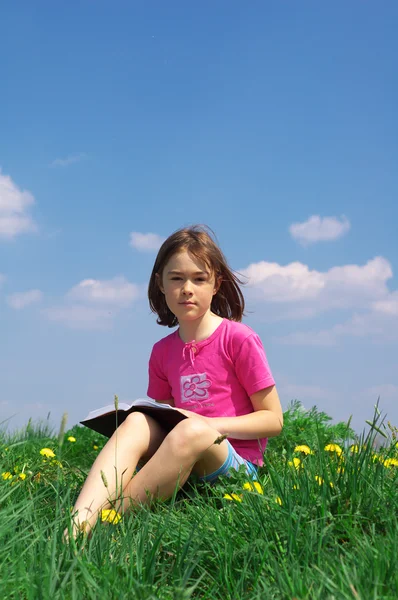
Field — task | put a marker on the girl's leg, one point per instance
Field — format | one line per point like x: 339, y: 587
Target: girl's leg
x: 139, y: 436
x: 189, y: 445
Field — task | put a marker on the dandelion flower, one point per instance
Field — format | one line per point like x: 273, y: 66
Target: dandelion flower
x: 110, y: 516
x: 47, y: 452
x: 354, y: 448
x: 296, y: 462
x: 232, y: 497
x: 278, y: 500
x: 71, y: 439
x: 304, y: 449
x: 296, y: 487
x: 22, y: 476
x: 318, y: 479
x: 333, y: 448
x: 376, y: 457
x: 340, y: 469
x: 253, y: 486
x: 6, y: 475
x: 391, y: 462
x: 95, y: 447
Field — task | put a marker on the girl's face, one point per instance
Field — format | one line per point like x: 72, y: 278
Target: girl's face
x: 188, y: 286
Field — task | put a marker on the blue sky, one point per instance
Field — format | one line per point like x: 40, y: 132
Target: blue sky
x: 274, y: 123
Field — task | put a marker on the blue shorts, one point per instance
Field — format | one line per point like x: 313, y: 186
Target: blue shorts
x: 233, y: 461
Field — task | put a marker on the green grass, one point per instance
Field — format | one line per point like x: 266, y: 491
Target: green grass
x: 323, y: 529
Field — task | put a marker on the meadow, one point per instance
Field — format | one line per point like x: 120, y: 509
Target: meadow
x: 321, y: 522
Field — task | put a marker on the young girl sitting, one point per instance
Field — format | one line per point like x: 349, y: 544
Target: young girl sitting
x: 212, y: 368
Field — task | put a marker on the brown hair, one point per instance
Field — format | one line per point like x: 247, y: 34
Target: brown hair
x: 198, y: 240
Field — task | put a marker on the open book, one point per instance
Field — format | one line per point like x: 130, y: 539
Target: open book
x: 106, y: 419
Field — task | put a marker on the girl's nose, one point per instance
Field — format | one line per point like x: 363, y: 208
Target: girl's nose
x: 186, y: 288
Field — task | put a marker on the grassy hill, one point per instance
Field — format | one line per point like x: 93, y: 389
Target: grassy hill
x: 321, y: 524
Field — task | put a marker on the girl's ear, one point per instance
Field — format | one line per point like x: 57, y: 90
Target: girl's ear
x: 159, y: 282
x: 217, y: 285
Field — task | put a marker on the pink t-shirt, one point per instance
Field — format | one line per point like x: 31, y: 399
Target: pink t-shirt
x: 214, y: 377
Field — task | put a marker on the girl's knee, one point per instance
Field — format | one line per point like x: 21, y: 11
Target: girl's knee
x: 190, y: 436
x: 134, y: 419
x: 136, y: 422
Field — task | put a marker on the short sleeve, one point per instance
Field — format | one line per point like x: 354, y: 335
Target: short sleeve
x: 251, y: 366
x: 158, y: 386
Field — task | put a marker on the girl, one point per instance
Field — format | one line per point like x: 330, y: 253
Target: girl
x: 212, y: 368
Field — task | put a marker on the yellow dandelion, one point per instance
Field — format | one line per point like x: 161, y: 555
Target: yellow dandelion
x: 296, y: 487
x: 233, y: 497
x: 71, y: 439
x: 377, y: 457
x: 354, y: 448
x: 253, y: 486
x: 22, y: 476
x: 340, y: 469
x: 110, y: 516
x: 278, y: 500
x: 95, y: 447
x: 304, y: 449
x: 296, y: 463
x: 6, y: 475
x: 57, y: 463
x: 47, y: 452
x: 391, y: 462
x: 333, y: 448
x: 318, y: 479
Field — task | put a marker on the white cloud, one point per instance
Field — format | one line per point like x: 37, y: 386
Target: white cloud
x: 388, y: 306
x: 385, y: 396
x: 295, y: 291
x: 293, y: 391
x: 318, y: 229
x: 308, y: 338
x: 380, y: 328
x: 145, y: 242
x: 114, y: 292
x: 384, y: 390
x: 289, y: 283
x: 14, y: 209
x: 94, y: 303
x: 81, y: 317
x: 68, y: 160
x: 21, y: 299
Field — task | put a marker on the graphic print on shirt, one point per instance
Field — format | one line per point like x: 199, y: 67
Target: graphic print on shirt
x: 194, y: 387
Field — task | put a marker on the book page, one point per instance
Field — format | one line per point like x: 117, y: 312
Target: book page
x: 123, y: 406
x: 105, y: 410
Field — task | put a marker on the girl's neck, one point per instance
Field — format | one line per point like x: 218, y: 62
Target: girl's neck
x: 199, y: 329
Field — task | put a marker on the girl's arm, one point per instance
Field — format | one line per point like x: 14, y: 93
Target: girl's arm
x: 265, y: 421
